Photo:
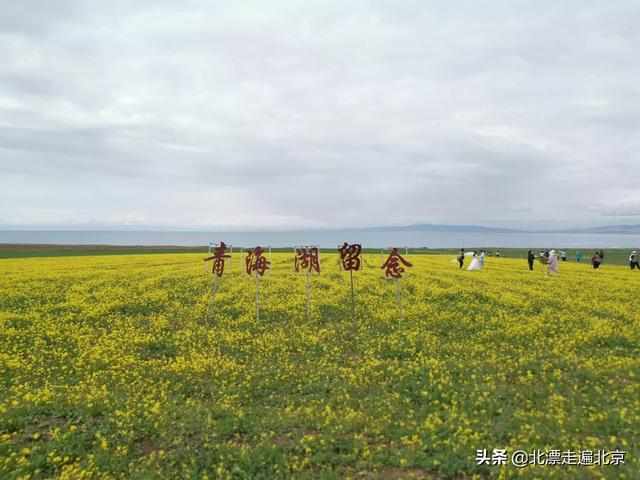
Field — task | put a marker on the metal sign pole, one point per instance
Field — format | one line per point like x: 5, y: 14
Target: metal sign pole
x: 257, y: 296
x: 214, y: 289
x: 308, y: 313
x: 353, y: 298
x: 399, y: 295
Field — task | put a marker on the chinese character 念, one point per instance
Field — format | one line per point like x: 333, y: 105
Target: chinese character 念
x: 393, y: 265
x: 218, y: 258
x: 255, y: 261
x: 350, y: 256
x: 307, y: 259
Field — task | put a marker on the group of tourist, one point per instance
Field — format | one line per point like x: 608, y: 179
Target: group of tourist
x: 549, y: 258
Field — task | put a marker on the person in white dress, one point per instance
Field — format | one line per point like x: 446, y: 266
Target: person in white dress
x: 475, y: 263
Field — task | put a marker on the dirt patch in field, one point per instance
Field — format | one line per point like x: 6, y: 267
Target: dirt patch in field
x: 146, y: 446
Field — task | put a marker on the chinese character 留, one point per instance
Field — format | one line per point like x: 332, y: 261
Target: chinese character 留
x: 350, y: 256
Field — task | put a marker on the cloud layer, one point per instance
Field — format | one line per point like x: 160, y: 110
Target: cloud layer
x: 313, y: 114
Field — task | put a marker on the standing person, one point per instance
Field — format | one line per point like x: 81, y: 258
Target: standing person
x: 461, y: 257
x: 578, y: 256
x: 633, y: 261
x: 552, y: 266
x: 563, y: 255
x: 475, y: 263
x: 497, y: 253
x: 481, y: 258
x: 601, y: 255
x: 491, y: 253
x: 530, y: 258
x: 595, y: 260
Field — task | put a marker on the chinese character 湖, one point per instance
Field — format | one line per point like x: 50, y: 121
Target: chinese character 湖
x: 307, y: 259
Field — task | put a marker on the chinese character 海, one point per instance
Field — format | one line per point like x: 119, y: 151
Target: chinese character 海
x: 255, y: 261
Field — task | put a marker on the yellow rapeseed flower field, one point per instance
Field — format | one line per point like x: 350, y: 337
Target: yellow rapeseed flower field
x: 110, y: 368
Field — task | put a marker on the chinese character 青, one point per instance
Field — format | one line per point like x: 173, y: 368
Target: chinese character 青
x: 218, y: 258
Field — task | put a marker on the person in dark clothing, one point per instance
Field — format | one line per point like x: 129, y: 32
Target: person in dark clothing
x: 633, y: 261
x: 601, y: 255
x: 461, y: 257
x: 595, y: 260
x: 530, y: 258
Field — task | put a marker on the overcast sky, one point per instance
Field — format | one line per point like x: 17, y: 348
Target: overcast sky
x: 312, y: 114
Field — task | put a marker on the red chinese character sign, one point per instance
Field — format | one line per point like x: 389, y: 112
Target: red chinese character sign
x: 256, y: 265
x: 219, y: 257
x: 395, y: 266
x: 306, y: 261
x: 218, y: 254
x: 255, y: 261
x: 350, y: 261
x: 350, y: 256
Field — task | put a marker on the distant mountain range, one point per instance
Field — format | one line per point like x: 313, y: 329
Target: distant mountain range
x: 427, y: 227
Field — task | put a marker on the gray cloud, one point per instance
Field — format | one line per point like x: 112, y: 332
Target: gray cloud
x: 306, y: 114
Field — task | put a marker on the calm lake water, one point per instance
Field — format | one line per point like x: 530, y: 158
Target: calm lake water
x: 327, y: 239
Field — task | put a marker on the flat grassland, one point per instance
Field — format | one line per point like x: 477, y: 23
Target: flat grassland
x: 110, y: 367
